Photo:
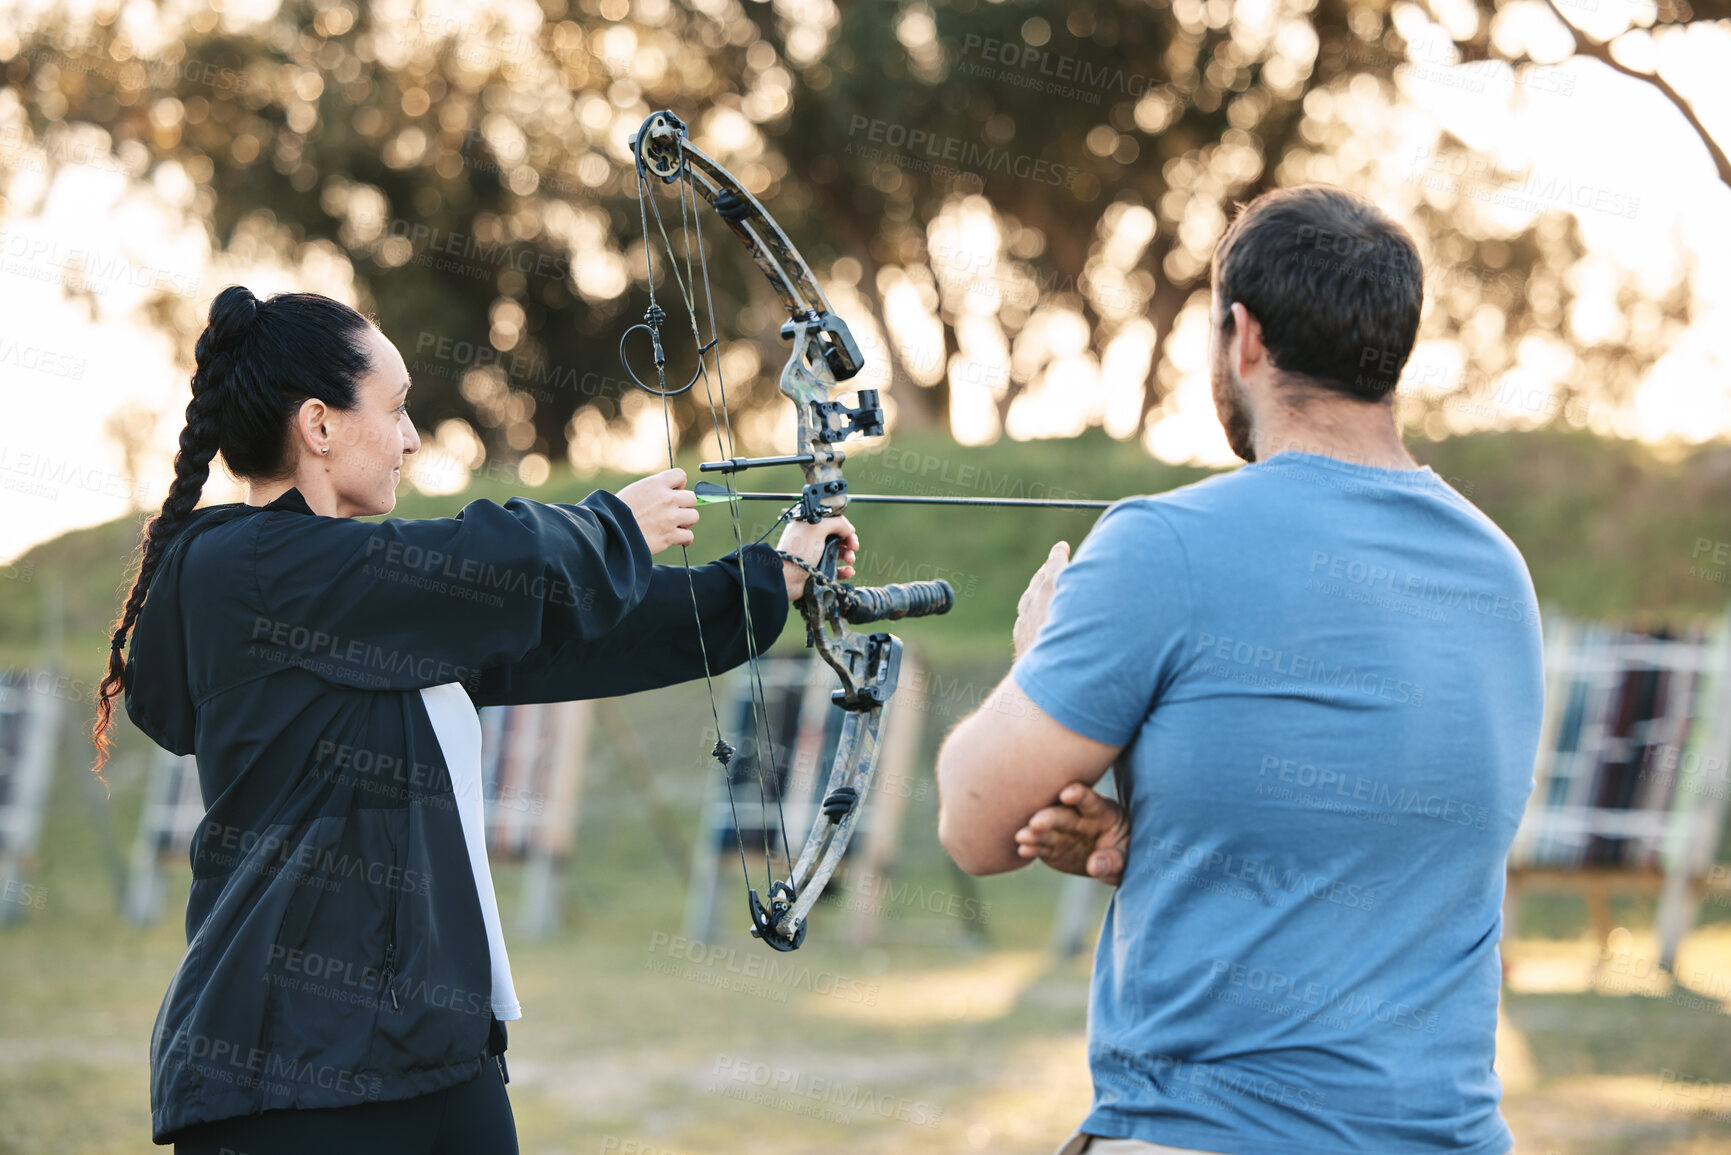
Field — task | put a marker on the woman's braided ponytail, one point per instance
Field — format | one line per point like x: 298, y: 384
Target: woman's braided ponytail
x: 256, y: 362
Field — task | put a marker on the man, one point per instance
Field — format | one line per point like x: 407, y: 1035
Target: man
x: 1320, y: 679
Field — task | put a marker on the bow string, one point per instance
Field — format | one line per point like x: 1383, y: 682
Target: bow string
x: 824, y: 353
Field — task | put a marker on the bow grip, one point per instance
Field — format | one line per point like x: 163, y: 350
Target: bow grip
x: 889, y: 603
x: 827, y: 563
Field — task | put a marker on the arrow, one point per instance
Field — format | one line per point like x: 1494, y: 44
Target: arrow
x: 708, y: 492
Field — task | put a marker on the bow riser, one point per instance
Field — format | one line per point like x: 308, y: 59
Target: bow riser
x: 809, y: 383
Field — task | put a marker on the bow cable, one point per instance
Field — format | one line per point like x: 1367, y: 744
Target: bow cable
x: 754, y: 671
x: 720, y: 419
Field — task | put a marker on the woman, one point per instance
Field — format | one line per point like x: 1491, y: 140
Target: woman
x: 345, y: 980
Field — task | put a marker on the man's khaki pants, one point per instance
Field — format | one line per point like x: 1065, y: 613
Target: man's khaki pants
x: 1094, y: 1145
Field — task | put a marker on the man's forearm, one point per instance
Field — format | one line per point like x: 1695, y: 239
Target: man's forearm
x: 970, y: 826
x: 1000, y: 765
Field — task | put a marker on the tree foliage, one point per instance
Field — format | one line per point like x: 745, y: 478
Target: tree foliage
x: 1014, y: 201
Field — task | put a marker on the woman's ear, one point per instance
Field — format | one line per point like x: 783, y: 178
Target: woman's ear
x: 310, y: 425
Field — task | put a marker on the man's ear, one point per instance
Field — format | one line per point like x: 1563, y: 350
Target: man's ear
x: 1247, y: 349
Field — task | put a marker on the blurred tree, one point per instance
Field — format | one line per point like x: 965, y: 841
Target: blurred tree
x: 1014, y: 203
x: 1631, y: 28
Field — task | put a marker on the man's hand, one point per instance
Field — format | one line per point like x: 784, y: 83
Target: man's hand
x: 1087, y: 834
x: 1031, y: 610
x: 664, y: 508
x: 805, y: 541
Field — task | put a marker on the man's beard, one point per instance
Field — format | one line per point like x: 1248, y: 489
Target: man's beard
x: 1231, y: 405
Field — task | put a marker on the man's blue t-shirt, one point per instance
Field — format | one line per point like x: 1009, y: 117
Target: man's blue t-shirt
x: 1330, y: 679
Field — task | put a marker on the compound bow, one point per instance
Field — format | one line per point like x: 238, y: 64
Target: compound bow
x: 824, y: 353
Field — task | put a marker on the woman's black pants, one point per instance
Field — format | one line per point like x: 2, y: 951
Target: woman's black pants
x: 472, y: 1118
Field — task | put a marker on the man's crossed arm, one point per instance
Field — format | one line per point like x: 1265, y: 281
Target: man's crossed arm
x: 1014, y: 784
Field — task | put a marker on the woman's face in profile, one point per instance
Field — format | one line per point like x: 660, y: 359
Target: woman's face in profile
x: 368, y: 443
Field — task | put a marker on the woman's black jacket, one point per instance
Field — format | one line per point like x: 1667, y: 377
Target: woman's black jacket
x: 335, y: 949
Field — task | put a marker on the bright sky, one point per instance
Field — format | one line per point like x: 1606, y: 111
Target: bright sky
x: 73, y: 364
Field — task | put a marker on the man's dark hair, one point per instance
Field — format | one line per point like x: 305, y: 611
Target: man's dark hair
x: 1335, y: 284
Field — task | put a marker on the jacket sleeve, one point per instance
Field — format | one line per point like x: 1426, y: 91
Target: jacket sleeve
x: 406, y: 604
x: 658, y: 642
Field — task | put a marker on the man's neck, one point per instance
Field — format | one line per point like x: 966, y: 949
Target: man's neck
x: 1360, y: 432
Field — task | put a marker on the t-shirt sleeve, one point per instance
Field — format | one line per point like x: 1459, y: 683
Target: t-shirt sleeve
x: 1114, y: 634
x: 409, y: 603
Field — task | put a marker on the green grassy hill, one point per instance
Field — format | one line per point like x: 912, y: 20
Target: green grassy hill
x: 1608, y: 529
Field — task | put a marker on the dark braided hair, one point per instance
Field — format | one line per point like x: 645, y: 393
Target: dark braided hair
x: 258, y: 361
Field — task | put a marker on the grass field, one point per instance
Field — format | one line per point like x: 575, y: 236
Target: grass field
x: 634, y: 1043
